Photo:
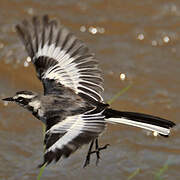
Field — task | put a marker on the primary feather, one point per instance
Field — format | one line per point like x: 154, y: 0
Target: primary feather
x: 58, y: 55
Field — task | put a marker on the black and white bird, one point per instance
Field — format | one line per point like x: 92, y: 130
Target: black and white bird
x: 71, y: 106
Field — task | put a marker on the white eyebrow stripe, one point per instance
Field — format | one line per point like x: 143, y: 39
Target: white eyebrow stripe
x: 26, y: 96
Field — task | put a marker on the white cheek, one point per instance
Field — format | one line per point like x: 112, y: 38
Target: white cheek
x: 35, y: 104
x: 40, y: 113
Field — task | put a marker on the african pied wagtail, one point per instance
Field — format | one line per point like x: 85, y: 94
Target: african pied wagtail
x: 71, y: 107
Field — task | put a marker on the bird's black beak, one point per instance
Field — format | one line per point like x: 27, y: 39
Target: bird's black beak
x: 8, y: 99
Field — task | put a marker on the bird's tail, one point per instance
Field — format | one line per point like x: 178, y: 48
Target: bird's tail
x: 149, y: 122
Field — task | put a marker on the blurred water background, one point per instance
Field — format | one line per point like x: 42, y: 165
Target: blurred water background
x: 140, y: 39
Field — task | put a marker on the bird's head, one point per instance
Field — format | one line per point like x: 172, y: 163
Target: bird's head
x: 22, y: 98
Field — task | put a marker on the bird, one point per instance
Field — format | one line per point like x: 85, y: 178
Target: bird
x: 71, y: 105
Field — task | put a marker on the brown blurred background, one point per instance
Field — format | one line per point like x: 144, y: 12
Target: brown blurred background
x: 140, y: 39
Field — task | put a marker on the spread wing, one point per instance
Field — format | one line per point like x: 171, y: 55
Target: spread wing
x: 65, y: 137
x: 61, y: 58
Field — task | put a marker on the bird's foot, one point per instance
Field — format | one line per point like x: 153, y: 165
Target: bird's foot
x: 97, y: 151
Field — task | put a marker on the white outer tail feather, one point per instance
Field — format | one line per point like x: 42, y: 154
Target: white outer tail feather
x: 155, y: 128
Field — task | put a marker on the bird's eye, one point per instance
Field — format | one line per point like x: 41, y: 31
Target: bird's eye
x: 20, y: 99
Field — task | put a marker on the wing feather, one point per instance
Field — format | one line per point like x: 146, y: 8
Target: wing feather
x: 66, y: 136
x: 58, y: 55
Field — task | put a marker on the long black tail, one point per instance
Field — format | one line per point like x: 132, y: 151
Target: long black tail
x: 149, y: 122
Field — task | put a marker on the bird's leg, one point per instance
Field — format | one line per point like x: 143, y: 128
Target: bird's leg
x: 88, y: 154
x: 97, y: 151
